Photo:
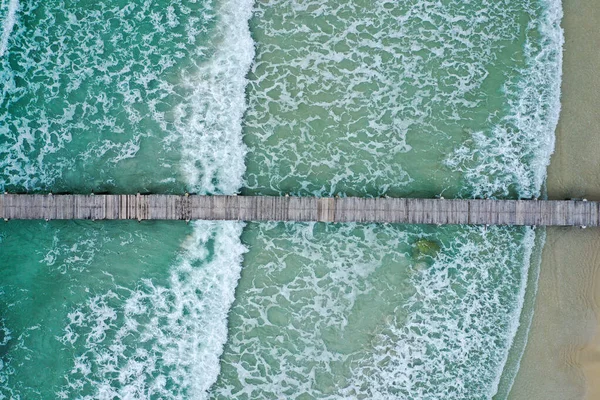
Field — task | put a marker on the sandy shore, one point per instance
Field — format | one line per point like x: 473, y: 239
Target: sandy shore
x: 562, y: 358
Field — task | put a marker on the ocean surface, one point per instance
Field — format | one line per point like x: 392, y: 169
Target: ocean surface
x: 416, y: 98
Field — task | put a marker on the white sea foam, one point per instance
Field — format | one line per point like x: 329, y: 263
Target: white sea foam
x: 71, y: 258
x: 460, y: 323
x: 210, y: 121
x: 159, y: 341
x: 7, y: 26
x: 5, y: 335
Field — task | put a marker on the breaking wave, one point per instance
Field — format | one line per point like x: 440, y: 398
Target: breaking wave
x: 158, y: 340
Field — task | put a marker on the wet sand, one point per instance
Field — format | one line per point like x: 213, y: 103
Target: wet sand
x: 562, y: 357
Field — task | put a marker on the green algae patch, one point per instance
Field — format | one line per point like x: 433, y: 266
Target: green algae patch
x: 425, y: 248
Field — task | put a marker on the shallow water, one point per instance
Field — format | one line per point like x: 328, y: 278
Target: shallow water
x: 355, y: 311
x: 414, y: 98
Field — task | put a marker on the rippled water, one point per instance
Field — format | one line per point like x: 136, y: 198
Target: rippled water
x: 403, y: 98
x: 411, y: 98
x: 125, y: 96
x: 353, y: 311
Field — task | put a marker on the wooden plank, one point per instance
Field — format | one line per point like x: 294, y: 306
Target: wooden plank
x: 325, y: 209
x: 265, y: 208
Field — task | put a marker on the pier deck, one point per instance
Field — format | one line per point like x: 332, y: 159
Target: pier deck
x: 266, y: 208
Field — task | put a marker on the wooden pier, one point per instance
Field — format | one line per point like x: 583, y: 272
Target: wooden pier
x: 265, y: 208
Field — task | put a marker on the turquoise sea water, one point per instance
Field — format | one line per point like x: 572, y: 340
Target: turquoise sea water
x: 400, y: 98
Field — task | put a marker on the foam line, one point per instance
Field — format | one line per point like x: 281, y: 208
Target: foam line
x: 8, y: 25
x: 159, y: 340
x: 516, y: 151
x: 211, y: 127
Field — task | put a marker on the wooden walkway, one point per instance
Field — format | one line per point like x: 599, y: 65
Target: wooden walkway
x: 264, y: 208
